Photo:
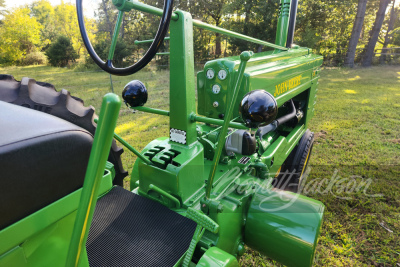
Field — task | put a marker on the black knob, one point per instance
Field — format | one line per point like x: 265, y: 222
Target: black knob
x: 135, y: 93
x: 258, y: 108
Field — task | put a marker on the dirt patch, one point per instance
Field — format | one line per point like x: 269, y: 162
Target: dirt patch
x: 320, y: 135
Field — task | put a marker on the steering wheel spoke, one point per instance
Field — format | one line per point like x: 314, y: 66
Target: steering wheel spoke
x: 115, y: 36
x: 125, y: 5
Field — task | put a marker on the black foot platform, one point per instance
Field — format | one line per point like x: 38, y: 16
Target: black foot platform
x: 130, y: 230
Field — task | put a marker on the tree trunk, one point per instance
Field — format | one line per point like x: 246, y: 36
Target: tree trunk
x: 104, y: 5
x: 217, y: 41
x: 355, y: 34
x: 246, y: 19
x: 374, y: 35
x: 123, y: 27
x: 338, y: 55
x: 393, y: 17
x: 217, y: 44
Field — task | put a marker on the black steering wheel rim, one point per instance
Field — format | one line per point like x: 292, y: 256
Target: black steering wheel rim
x: 150, y: 53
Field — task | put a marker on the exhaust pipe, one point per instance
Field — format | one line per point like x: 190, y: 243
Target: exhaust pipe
x: 292, y: 23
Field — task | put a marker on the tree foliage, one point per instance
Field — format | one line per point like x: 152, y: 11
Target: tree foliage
x: 102, y: 49
x: 324, y: 25
x: 395, y: 33
x: 44, y: 13
x: 3, y: 7
x: 61, y: 52
x: 20, y: 34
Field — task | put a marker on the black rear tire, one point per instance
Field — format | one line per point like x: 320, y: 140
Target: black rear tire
x: 44, y: 97
x: 292, y: 171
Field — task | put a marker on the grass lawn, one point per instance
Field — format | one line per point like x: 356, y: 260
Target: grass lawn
x: 354, y: 169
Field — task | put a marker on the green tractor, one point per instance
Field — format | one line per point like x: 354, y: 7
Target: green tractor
x: 228, y: 175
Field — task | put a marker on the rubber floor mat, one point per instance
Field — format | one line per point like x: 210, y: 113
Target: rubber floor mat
x: 131, y: 230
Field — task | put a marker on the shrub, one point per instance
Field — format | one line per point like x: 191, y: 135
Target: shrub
x: 61, y: 52
x: 102, y: 48
x: 34, y: 58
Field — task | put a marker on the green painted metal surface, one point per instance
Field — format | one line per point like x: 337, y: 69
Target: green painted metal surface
x: 43, y: 238
x: 203, y: 223
x: 284, y: 75
x: 215, y: 257
x: 173, y: 168
x: 213, y: 28
x: 283, y: 23
x: 183, y: 95
x: 163, y: 54
x: 244, y: 57
x: 281, y: 223
x: 115, y: 35
x: 127, y: 5
x: 207, y: 120
x: 147, y: 41
x: 97, y: 161
x: 152, y: 110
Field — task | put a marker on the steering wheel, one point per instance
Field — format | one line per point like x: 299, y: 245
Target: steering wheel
x: 125, y: 5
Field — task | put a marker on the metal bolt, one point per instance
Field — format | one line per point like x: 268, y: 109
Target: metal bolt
x: 215, y: 104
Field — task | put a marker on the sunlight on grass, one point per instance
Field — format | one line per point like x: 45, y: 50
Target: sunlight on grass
x: 350, y: 91
x: 384, y: 98
x: 125, y: 127
x: 136, y: 125
x: 354, y: 79
x: 365, y: 101
x: 329, y: 125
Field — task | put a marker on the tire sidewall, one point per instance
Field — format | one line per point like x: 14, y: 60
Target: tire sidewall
x: 292, y: 172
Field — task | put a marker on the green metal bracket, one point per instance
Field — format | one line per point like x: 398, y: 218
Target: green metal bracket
x: 203, y: 223
x: 244, y: 57
x: 213, y: 28
x: 165, y: 194
x: 152, y: 110
x: 194, y: 118
x: 163, y: 54
x: 147, y: 41
x: 115, y: 35
x: 131, y: 148
x: 129, y: 4
x: 218, y: 122
x: 95, y: 170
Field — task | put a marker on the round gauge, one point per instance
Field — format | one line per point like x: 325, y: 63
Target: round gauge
x: 210, y: 74
x: 216, y: 88
x: 222, y: 74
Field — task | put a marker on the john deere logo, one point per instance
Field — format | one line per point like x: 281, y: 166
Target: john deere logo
x: 287, y: 85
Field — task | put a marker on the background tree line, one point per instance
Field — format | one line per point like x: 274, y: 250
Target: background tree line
x: 344, y: 32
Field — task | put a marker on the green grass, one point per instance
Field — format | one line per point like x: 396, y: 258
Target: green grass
x: 357, y: 128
